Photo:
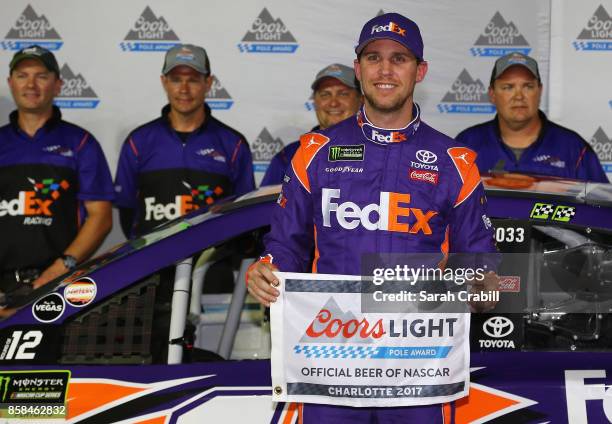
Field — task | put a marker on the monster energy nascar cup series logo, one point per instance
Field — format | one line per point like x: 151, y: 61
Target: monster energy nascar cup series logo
x: 149, y: 33
x: 500, y: 38
x: 346, y: 153
x: 466, y: 95
x: 597, y: 33
x: 268, y: 35
x: 30, y: 29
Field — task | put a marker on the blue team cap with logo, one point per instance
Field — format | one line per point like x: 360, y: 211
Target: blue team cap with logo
x: 392, y: 26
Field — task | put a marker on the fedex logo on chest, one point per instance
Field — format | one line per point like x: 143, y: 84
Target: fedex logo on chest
x: 390, y: 214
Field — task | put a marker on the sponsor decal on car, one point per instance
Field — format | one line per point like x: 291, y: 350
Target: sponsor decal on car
x: 510, y: 283
x: 49, y: 308
x: 547, y: 211
x: 81, y: 292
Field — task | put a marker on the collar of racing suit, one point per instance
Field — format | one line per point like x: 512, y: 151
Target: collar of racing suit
x: 384, y: 135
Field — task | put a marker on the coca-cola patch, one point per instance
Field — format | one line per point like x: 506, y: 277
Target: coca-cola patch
x: 424, y: 175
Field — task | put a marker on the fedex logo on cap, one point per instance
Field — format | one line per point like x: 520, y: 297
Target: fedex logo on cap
x: 391, y: 27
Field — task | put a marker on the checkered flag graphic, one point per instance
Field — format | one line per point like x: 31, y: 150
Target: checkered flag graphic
x: 542, y: 211
x: 335, y: 351
x: 564, y: 213
x: 477, y: 51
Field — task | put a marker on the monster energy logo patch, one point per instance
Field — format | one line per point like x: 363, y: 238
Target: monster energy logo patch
x: 354, y: 153
x: 46, y: 387
x: 559, y: 213
x: 30, y: 29
x: 597, y: 33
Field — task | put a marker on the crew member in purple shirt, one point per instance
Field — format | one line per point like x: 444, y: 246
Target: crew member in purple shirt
x: 521, y: 138
x: 55, y: 185
x: 336, y: 95
x: 184, y: 160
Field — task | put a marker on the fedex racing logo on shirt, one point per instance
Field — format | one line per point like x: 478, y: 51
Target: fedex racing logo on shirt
x: 182, y: 204
x: 390, y: 27
x: 35, y: 204
x: 390, y: 214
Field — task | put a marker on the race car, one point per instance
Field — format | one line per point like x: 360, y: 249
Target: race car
x: 80, y: 349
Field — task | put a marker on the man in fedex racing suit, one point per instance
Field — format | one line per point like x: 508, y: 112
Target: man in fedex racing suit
x: 358, y: 188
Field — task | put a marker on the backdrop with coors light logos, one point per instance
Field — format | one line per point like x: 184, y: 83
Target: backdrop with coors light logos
x: 265, y: 54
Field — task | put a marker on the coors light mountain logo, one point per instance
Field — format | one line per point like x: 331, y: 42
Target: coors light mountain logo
x: 597, y: 33
x: 316, y: 331
x: 217, y: 97
x: 264, y: 148
x: 466, y: 96
x: 76, y: 92
x: 602, y: 145
x: 149, y: 33
x: 500, y: 38
x: 268, y: 35
x: 30, y: 29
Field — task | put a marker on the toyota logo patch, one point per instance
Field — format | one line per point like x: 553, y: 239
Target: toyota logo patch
x: 426, y: 156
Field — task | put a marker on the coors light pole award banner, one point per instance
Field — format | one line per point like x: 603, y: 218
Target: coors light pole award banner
x: 326, y: 349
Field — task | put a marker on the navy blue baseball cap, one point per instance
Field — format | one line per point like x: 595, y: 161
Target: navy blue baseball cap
x: 392, y: 26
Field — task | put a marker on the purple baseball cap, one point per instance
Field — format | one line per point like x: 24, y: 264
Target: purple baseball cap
x: 392, y: 26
